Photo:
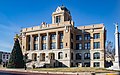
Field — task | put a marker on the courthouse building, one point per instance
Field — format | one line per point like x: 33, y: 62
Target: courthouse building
x: 61, y: 44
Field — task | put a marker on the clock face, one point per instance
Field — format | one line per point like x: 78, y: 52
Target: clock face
x: 58, y: 9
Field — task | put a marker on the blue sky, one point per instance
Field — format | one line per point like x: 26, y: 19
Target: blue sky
x: 17, y: 14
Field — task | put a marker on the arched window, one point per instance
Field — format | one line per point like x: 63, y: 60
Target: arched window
x: 96, y: 55
x: 34, y: 56
x: 60, y: 55
x: 42, y: 56
x: 87, y: 56
x: 78, y: 56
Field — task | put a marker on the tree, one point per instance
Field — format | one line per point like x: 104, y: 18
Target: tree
x: 109, y: 48
x: 16, y: 57
x: 109, y: 54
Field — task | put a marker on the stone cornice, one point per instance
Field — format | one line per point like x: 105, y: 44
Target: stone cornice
x: 41, y: 29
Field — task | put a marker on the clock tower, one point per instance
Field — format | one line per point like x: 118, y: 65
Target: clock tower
x: 61, y: 15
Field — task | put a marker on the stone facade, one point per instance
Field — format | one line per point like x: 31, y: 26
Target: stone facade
x: 61, y: 44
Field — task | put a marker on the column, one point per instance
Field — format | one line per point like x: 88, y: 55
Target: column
x: 56, y: 39
x: 31, y: 42
x: 117, y: 59
x: 39, y: 42
x: 47, y: 41
x: 24, y: 43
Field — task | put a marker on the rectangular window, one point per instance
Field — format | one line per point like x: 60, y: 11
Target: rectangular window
x: 43, y: 37
x: 7, y: 57
x: 96, y: 45
x: 53, y: 36
x: 71, y: 56
x: 35, y: 46
x: 61, y: 45
x: 96, y: 35
x: 44, y: 46
x: 57, y: 19
x: 71, y: 36
x: 96, y: 64
x: 3, y: 56
x: 61, y: 36
x: 87, y: 45
x: 53, y: 45
x: 66, y: 44
x: 28, y: 46
x: 35, y: 38
x: 71, y: 45
x: 87, y: 36
x: 78, y: 46
x: 78, y: 37
x: 66, y: 55
x: 78, y: 56
x: 87, y: 64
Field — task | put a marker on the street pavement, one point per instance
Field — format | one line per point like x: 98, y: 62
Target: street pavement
x: 4, y: 72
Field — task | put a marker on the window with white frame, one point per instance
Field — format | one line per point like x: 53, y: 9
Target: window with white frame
x: 61, y: 36
x: 96, y: 35
x: 96, y: 55
x: 87, y: 56
x: 58, y: 19
x: 53, y: 45
x: 87, y: 45
x: 96, y: 45
x: 60, y: 55
x: 96, y: 64
x: 87, y: 36
x: 35, y: 46
x: 78, y: 46
x: 35, y: 38
x: 44, y: 46
x: 53, y: 36
x: 61, y: 45
x: 43, y: 37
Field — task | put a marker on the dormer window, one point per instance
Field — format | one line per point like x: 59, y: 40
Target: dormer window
x: 57, y: 19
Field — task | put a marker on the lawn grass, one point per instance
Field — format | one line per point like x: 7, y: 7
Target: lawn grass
x: 74, y: 69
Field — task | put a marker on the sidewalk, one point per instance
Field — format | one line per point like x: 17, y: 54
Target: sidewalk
x: 55, y: 73
x: 31, y: 71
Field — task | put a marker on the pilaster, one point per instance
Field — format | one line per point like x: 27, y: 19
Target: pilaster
x: 56, y: 39
x: 47, y: 41
x: 39, y: 42
x: 31, y: 42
